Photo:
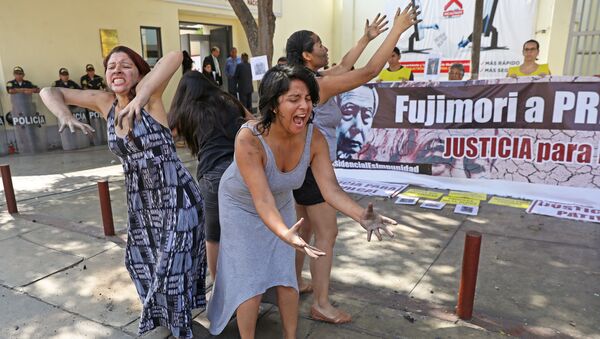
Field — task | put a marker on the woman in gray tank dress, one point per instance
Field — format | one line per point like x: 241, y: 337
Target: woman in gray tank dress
x: 257, y: 207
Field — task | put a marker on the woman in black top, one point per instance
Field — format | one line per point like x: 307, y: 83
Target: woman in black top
x: 208, y: 119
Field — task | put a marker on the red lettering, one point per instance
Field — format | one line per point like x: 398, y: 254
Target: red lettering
x: 585, y: 155
x: 503, y: 144
x: 448, y: 147
x: 484, y: 146
x: 525, y: 149
x: 494, y: 141
x: 458, y: 148
x: 471, y: 147
x: 543, y: 151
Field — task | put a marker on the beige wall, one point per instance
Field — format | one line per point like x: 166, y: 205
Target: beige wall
x: 552, y: 32
x: 43, y: 43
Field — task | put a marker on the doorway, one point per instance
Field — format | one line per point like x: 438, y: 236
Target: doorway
x: 199, y: 38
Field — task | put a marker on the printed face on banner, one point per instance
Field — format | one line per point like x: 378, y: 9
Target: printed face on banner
x: 358, y: 108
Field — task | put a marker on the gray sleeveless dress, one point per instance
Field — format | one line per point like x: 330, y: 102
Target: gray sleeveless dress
x: 252, y: 259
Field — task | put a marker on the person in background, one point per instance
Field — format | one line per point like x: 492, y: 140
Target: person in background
x: 207, y: 118
x: 282, y: 61
x: 91, y: 80
x: 456, y: 72
x: 64, y: 80
x: 395, y: 71
x: 306, y: 49
x: 230, y: 65
x: 213, y: 60
x: 531, y: 50
x: 209, y: 73
x: 243, y: 78
x: 19, y: 84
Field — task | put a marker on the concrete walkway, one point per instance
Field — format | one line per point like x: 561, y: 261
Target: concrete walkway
x: 61, y: 278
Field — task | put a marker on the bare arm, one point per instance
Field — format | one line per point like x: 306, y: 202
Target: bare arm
x: 150, y: 89
x: 251, y: 159
x: 57, y: 99
x: 335, y: 195
x: 336, y: 84
x: 371, y: 32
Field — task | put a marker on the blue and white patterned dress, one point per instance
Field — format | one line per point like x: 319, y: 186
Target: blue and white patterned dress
x: 165, y: 253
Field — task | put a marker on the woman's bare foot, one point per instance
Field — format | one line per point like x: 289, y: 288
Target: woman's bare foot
x: 329, y: 314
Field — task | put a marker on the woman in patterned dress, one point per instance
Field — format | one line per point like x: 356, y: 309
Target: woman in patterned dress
x: 165, y: 253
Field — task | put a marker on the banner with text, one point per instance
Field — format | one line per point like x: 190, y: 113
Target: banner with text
x: 446, y: 30
x: 543, y: 131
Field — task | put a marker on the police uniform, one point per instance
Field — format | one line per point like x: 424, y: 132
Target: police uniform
x: 13, y: 84
x: 70, y: 84
x: 97, y: 82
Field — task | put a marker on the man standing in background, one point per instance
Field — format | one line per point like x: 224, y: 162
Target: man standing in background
x: 230, y: 66
x: 213, y: 60
x: 243, y: 78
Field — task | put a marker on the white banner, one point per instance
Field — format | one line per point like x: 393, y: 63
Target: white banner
x: 447, y: 29
x: 565, y: 211
x: 371, y: 188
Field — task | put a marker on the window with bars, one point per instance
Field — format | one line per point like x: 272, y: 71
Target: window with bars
x: 583, y: 48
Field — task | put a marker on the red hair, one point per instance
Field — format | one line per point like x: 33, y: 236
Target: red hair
x: 138, y: 61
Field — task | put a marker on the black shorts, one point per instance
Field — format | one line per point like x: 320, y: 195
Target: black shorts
x: 209, y: 188
x: 308, y: 194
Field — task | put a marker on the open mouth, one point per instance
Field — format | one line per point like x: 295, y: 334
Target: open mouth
x: 299, y: 120
x: 118, y: 81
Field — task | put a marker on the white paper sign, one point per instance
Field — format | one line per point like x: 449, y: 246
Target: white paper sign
x: 406, y: 200
x: 468, y: 210
x: 434, y: 205
x: 565, y: 211
x: 433, y: 67
x: 371, y: 188
x: 259, y: 66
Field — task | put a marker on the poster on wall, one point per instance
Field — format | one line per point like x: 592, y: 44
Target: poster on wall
x: 446, y: 29
x: 109, y: 39
x: 544, y: 131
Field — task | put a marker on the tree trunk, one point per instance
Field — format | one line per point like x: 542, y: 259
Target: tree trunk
x: 259, y: 35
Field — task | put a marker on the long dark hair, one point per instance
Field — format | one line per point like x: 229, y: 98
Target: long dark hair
x: 187, y: 63
x: 275, y: 83
x: 298, y: 42
x: 199, y: 109
x: 138, y: 61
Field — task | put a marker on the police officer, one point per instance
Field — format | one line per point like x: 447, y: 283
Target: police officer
x: 91, y: 80
x: 64, y: 80
x: 20, y: 85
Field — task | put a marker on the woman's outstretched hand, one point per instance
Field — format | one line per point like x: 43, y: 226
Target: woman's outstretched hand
x: 71, y: 122
x: 374, y: 222
x: 375, y: 28
x: 293, y: 239
x: 408, y: 17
